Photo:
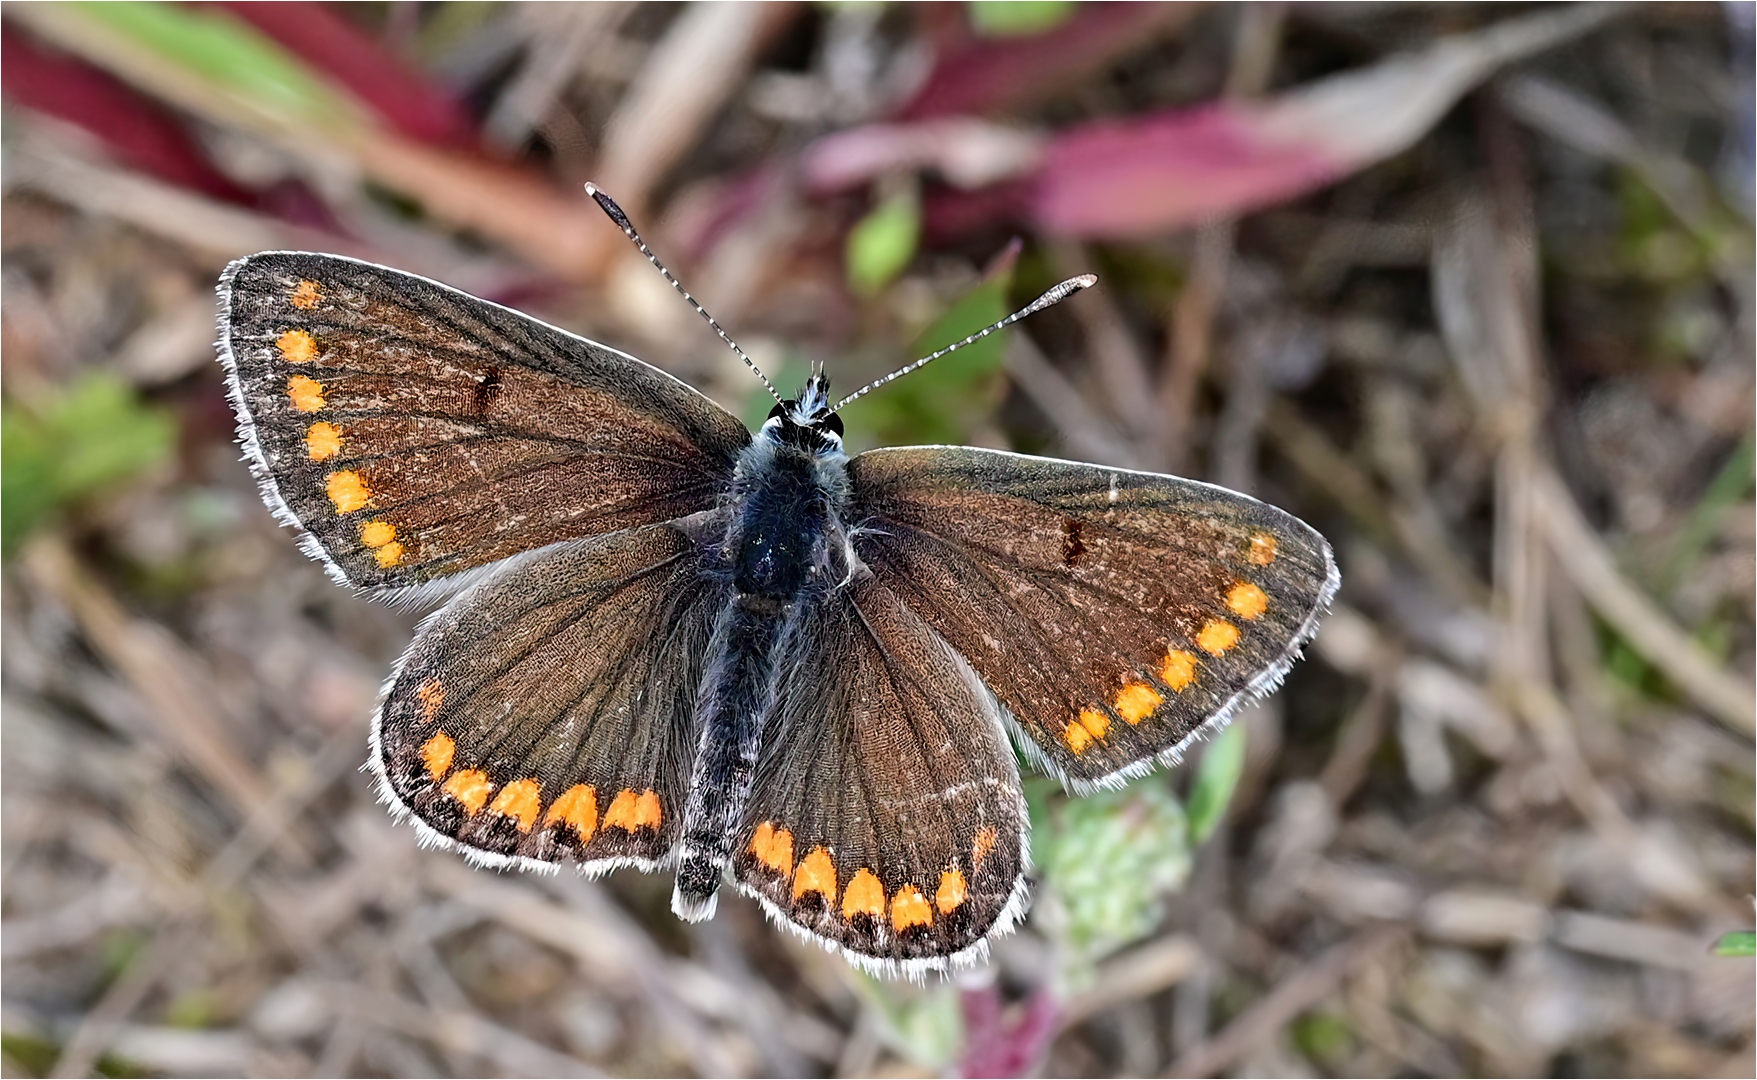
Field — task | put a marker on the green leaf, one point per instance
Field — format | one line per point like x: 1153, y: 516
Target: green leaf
x: 1018, y: 18
x: 923, y: 1024
x: 96, y: 434
x: 1737, y: 943
x: 881, y: 245
x: 944, y: 401
x: 1216, y: 777
x: 1108, y: 862
x: 200, y: 57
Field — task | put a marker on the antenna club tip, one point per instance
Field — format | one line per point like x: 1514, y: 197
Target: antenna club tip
x: 591, y: 189
x: 1084, y: 281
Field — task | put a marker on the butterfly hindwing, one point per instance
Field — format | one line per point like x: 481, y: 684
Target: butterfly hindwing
x: 887, y: 816
x: 1116, y: 614
x: 413, y: 431
x: 548, y: 713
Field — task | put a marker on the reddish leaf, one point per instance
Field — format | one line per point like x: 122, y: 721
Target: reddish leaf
x: 979, y: 76
x: 138, y: 131
x: 376, y: 76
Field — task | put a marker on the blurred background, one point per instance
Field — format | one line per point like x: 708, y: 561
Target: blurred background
x: 1468, y: 287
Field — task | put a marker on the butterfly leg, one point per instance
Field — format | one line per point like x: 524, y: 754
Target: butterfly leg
x: 737, y: 694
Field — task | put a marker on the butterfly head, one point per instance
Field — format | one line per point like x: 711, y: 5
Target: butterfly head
x: 807, y: 421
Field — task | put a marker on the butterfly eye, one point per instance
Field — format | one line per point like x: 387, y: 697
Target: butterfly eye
x: 834, y: 423
x: 781, y: 409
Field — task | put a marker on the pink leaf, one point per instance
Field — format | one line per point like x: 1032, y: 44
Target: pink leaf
x: 1176, y: 168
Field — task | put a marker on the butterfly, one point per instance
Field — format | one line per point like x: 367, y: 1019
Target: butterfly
x: 672, y: 643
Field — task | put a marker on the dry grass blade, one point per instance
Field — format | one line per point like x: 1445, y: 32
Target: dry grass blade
x: 1647, y: 629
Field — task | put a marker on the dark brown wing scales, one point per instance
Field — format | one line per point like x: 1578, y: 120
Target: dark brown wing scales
x: 548, y: 714
x: 887, y: 816
x: 1114, y: 613
x: 415, y: 432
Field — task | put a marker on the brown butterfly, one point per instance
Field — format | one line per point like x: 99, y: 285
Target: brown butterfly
x: 671, y: 643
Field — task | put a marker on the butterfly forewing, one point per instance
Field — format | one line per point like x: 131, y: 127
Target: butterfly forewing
x: 887, y: 816
x: 414, y: 431
x: 1114, y: 613
x: 548, y: 713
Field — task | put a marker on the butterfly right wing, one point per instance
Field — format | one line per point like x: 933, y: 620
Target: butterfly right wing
x: 1116, y: 614
x: 413, y: 432
x: 547, y: 713
x: 887, y: 817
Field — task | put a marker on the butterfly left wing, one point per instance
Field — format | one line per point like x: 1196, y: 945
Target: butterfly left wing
x: 547, y: 713
x: 1116, y: 614
x: 887, y: 816
x: 414, y: 433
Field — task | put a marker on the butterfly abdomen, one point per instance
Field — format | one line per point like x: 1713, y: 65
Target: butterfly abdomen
x: 778, y: 548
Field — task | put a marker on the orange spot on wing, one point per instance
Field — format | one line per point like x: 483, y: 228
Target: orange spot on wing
x: 578, y: 807
x: 952, y: 891
x: 436, y: 754
x: 646, y: 810
x: 910, y: 908
x: 1247, y: 601
x: 1217, y: 636
x: 1262, y: 549
x: 377, y: 533
x: 323, y: 440
x: 348, y: 490
x: 1095, y: 721
x: 389, y: 555
x: 1178, y: 669
x: 520, y: 800
x: 865, y: 896
x: 1077, y: 737
x: 297, y: 346
x: 773, y: 848
x: 1136, y: 702
x: 470, y: 787
x: 432, y: 696
x: 622, y: 814
x: 306, y: 295
x: 816, y: 874
x: 305, y: 394
x: 986, y: 838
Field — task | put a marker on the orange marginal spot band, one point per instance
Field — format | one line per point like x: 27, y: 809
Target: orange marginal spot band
x: 389, y: 555
x: 1217, y: 636
x: 952, y: 891
x: 817, y: 873
x: 646, y: 810
x: 1247, y: 601
x: 865, y: 896
x: 470, y: 787
x: 578, y: 807
x: 1077, y: 737
x: 986, y: 838
x: 347, y: 490
x: 436, y: 754
x: 1136, y: 702
x: 1178, y: 670
x: 306, y: 295
x: 773, y: 848
x: 621, y: 814
x: 1262, y: 549
x: 305, y: 394
x: 910, y: 908
x: 297, y: 346
x: 432, y: 696
x: 520, y: 800
x: 323, y: 440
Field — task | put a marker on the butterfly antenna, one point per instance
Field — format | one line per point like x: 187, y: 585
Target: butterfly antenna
x: 621, y: 219
x: 1049, y: 299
